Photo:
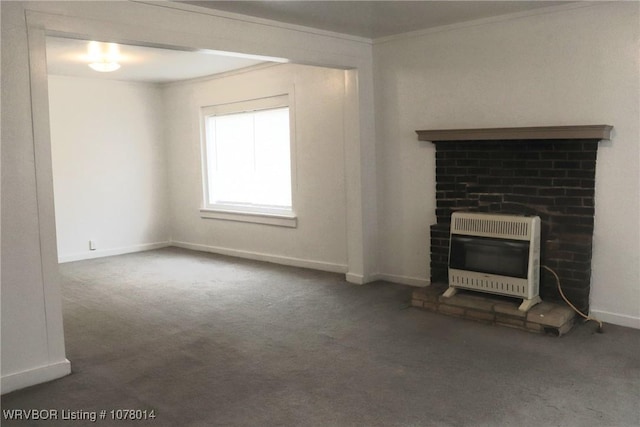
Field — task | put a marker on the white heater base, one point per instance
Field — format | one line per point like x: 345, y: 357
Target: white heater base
x: 528, y: 303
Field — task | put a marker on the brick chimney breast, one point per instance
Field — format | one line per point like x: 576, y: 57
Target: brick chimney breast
x: 547, y: 171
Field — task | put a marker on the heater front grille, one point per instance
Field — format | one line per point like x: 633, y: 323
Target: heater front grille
x: 497, y: 226
x: 504, y: 286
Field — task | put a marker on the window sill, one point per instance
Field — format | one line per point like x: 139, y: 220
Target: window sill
x: 254, y: 217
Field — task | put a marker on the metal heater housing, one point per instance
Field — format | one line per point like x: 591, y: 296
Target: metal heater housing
x: 485, y: 236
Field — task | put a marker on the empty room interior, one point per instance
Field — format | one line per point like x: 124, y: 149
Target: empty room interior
x: 307, y: 213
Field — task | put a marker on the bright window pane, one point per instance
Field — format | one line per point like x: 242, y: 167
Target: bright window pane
x: 249, y: 160
x: 272, y: 158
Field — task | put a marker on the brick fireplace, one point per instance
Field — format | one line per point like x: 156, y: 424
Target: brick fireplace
x: 543, y: 171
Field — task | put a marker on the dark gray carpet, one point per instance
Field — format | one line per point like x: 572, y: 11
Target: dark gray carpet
x: 207, y: 340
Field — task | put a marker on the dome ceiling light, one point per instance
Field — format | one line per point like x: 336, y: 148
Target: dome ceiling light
x: 104, y: 57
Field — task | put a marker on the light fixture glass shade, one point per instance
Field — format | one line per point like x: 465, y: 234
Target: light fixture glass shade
x: 103, y: 57
x: 104, y: 67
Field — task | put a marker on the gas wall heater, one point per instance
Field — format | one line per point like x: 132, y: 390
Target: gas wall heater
x: 498, y: 254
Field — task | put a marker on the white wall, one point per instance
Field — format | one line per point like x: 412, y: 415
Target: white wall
x: 109, y: 166
x: 32, y: 334
x: 570, y: 67
x: 319, y: 240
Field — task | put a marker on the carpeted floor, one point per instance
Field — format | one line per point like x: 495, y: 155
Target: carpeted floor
x: 208, y: 340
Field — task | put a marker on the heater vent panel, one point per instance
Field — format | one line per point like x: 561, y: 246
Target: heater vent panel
x: 496, y: 226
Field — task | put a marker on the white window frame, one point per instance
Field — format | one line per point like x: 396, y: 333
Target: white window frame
x: 242, y: 212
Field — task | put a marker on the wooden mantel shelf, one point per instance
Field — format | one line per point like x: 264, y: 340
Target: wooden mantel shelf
x: 598, y: 132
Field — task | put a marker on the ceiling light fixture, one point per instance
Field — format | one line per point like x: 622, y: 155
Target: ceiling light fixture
x: 104, y: 56
x: 104, y: 67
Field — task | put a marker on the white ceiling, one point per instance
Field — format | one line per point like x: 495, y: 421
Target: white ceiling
x: 369, y: 19
x: 69, y: 57
x: 373, y: 19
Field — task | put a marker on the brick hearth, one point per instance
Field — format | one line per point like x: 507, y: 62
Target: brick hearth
x: 546, y: 317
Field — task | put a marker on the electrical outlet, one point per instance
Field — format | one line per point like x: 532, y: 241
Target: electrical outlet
x: 92, y: 245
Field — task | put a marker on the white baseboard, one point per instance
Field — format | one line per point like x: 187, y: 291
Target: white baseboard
x: 616, y: 319
x: 41, y: 374
x: 258, y: 256
x: 359, y: 279
x: 403, y: 280
x: 111, y: 252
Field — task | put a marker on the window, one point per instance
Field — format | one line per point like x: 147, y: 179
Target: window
x: 247, y: 161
